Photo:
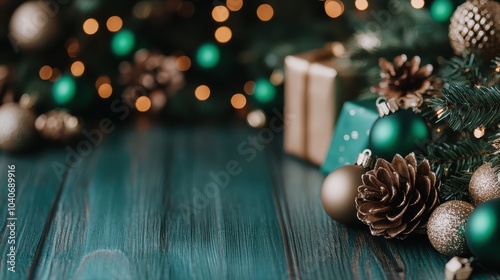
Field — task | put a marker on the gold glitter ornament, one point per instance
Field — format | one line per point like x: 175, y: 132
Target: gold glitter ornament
x: 17, y: 125
x: 446, y: 228
x: 484, y: 185
x: 475, y: 25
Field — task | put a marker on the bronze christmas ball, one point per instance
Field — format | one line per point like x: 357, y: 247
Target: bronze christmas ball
x: 484, y: 185
x: 475, y: 25
x: 33, y: 25
x: 17, y: 127
x: 339, y: 192
x: 446, y: 228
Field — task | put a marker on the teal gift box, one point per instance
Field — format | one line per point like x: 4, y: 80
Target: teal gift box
x: 351, y: 133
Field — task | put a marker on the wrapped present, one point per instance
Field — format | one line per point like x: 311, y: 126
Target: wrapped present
x: 316, y: 86
x: 351, y: 134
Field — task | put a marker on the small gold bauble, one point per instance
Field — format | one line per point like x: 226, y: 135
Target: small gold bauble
x: 475, y: 25
x: 484, y: 185
x: 446, y: 228
x: 17, y: 127
x: 33, y: 25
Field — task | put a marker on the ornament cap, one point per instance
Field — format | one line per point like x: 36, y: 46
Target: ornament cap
x: 365, y: 159
x: 386, y: 106
x: 458, y: 268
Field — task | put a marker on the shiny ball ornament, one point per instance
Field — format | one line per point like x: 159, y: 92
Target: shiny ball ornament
x: 17, y: 128
x: 397, y: 133
x: 484, y: 185
x: 483, y: 233
x: 33, y: 25
x: 446, y: 227
x: 340, y: 190
x: 475, y: 25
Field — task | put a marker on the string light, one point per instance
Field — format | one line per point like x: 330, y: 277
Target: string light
x: 102, y: 80
x: 77, y: 68
x: 249, y: 87
x: 361, y: 5
x: 417, y: 4
x: 183, y: 63
x: 73, y: 47
x: 105, y: 90
x: 265, y: 12
x: 334, y: 8
x: 277, y: 77
x: 220, y: 13
x: 90, y: 26
x: 202, y: 92
x: 45, y: 72
x: 256, y: 118
x: 142, y: 10
x: 479, y: 132
x: 223, y: 34
x: 56, y: 74
x: 234, y: 5
x: 143, y: 104
x: 208, y: 56
x: 238, y: 101
x: 114, y: 24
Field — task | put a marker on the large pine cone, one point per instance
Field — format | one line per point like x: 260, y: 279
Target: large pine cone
x: 398, y: 197
x: 403, y: 78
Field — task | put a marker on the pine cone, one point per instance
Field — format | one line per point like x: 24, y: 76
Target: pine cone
x: 396, y: 198
x: 403, y: 78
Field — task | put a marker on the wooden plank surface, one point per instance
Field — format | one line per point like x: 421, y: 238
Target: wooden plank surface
x: 122, y: 213
x: 36, y: 190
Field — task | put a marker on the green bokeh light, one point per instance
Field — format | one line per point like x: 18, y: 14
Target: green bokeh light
x: 208, y: 56
x: 264, y: 91
x: 64, y: 89
x: 441, y: 10
x: 123, y: 42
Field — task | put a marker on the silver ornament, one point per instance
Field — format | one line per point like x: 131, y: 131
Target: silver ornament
x: 17, y: 127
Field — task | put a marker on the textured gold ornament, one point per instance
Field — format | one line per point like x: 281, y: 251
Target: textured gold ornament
x: 475, y: 25
x: 484, y: 185
x: 17, y: 127
x: 446, y: 228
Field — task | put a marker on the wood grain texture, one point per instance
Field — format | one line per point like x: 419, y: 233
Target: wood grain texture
x: 122, y: 213
x: 36, y: 189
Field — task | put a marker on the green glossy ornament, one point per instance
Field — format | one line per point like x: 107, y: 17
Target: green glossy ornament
x: 483, y: 233
x: 397, y: 133
x: 123, y: 42
x: 64, y: 90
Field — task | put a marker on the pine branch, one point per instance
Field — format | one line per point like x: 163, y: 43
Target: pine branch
x: 495, y: 76
x: 493, y: 148
x: 464, y: 156
x: 466, y: 108
x: 463, y: 71
x: 456, y: 187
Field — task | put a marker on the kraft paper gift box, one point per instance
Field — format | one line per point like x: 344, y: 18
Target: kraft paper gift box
x: 316, y: 86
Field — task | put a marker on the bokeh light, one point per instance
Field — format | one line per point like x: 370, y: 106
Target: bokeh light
x: 264, y: 91
x: 277, y: 77
x: 102, y: 80
x: 143, y: 104
x: 479, y: 132
x: 220, y: 13
x: 441, y: 10
x: 64, y: 90
x: 90, y: 26
x: 202, y: 92
x: 223, y: 34
x: 123, y: 42
x: 183, y: 63
x: 256, y: 118
x: 334, y: 8
x: 249, y: 87
x: 361, y: 5
x: 73, y: 47
x: 417, y: 4
x: 142, y: 10
x: 45, y: 72
x: 234, y: 5
x: 77, y: 68
x: 105, y: 90
x: 208, y: 56
x: 114, y: 23
x: 265, y: 12
x: 238, y: 101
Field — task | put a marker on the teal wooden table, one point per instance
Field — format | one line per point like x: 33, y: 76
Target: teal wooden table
x: 204, y: 202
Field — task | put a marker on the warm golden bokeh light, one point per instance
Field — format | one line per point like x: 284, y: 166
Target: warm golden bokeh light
x: 143, y: 104
x: 334, y: 8
x: 105, y: 90
x: 45, y: 72
x: 220, y: 13
x: 256, y: 118
x: 417, y: 4
x: 238, y: 101
x: 183, y: 63
x: 234, y: 5
x: 249, y: 87
x: 265, y: 12
x: 56, y: 74
x: 142, y: 9
x: 102, y: 80
x: 73, y: 47
x: 90, y: 26
x: 361, y: 4
x: 479, y: 132
x: 223, y: 34
x: 114, y: 23
x: 77, y: 68
x: 277, y: 77
x: 202, y: 92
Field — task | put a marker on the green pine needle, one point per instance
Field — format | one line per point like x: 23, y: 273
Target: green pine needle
x: 456, y: 187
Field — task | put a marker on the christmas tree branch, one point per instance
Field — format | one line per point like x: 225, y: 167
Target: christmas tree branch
x: 466, y: 108
x: 463, y: 71
x: 456, y: 187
